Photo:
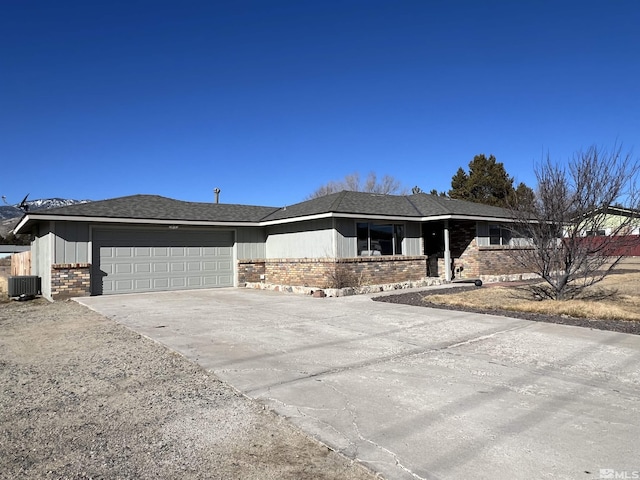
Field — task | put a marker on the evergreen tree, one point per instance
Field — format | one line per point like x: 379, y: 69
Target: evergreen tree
x: 487, y: 182
x: 459, y: 185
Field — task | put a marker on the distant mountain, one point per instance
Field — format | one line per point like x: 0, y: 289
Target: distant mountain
x: 10, y: 215
x: 12, y: 211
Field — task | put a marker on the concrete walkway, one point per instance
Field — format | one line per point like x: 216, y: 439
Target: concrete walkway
x: 411, y: 392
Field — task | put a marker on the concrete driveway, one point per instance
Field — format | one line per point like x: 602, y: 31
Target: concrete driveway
x: 411, y: 392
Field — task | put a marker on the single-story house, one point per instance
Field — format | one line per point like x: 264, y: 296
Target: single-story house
x: 145, y: 243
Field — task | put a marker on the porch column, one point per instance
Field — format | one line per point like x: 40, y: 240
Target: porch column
x: 447, y: 253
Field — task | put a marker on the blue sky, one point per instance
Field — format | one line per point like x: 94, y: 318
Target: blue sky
x: 268, y: 100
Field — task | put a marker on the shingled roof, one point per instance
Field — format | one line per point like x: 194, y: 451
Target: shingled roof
x: 345, y: 203
x: 419, y: 205
x: 155, y: 207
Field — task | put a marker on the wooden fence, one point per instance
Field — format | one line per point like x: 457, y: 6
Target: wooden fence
x: 21, y: 264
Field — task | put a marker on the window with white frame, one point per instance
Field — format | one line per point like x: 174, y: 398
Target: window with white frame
x: 379, y: 238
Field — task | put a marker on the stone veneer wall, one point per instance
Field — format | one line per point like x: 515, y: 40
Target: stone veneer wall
x: 70, y: 280
x: 326, y: 272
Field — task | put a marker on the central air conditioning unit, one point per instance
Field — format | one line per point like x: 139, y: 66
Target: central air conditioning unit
x: 25, y: 285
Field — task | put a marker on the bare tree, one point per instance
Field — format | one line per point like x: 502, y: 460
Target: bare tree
x: 387, y: 185
x: 579, y: 223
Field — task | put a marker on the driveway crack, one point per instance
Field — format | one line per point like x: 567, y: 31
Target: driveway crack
x: 349, y: 407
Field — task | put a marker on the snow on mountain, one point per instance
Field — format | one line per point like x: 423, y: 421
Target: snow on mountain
x: 13, y: 211
x: 47, y: 203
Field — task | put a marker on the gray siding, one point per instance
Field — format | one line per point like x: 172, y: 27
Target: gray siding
x: 311, y: 239
x: 71, y: 243
x: 412, y: 244
x: 41, y: 258
x: 250, y: 243
x: 346, y: 238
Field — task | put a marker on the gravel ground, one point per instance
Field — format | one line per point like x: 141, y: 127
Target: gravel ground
x: 82, y: 397
x: 421, y: 299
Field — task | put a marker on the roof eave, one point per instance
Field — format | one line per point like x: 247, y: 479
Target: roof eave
x: 21, y: 224
x: 402, y: 218
x: 29, y: 219
x: 129, y: 220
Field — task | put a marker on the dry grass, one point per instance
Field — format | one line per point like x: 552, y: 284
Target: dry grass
x: 615, y: 298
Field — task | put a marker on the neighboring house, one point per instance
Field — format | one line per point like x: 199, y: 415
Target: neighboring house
x: 613, y: 221
x: 144, y: 243
x: 7, y: 250
x: 621, y: 225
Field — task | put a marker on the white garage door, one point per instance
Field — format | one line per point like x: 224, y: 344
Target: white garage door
x: 155, y: 260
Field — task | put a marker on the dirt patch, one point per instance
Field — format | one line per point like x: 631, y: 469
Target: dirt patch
x: 82, y: 397
x: 421, y: 299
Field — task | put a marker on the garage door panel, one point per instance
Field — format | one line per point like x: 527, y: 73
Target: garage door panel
x: 194, y: 266
x: 209, y: 267
x: 107, y: 270
x: 215, y: 281
x: 139, y: 261
x: 177, y: 267
x: 160, y: 283
x: 143, y: 267
x: 178, y: 282
x: 123, y: 285
x: 161, y: 267
x: 123, y: 268
x: 223, y: 266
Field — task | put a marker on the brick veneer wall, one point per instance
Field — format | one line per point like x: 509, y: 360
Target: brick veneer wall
x: 70, y: 280
x: 250, y: 271
x: 467, y: 265
x: 464, y: 251
x: 471, y: 261
x: 324, y: 272
x: 499, y: 261
x: 461, y: 235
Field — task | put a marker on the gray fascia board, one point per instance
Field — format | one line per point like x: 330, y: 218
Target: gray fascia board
x: 481, y: 218
x: 150, y: 221
x: 387, y: 217
x: 336, y: 215
x: 29, y: 218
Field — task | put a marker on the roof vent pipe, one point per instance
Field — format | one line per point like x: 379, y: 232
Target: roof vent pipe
x: 217, y: 192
